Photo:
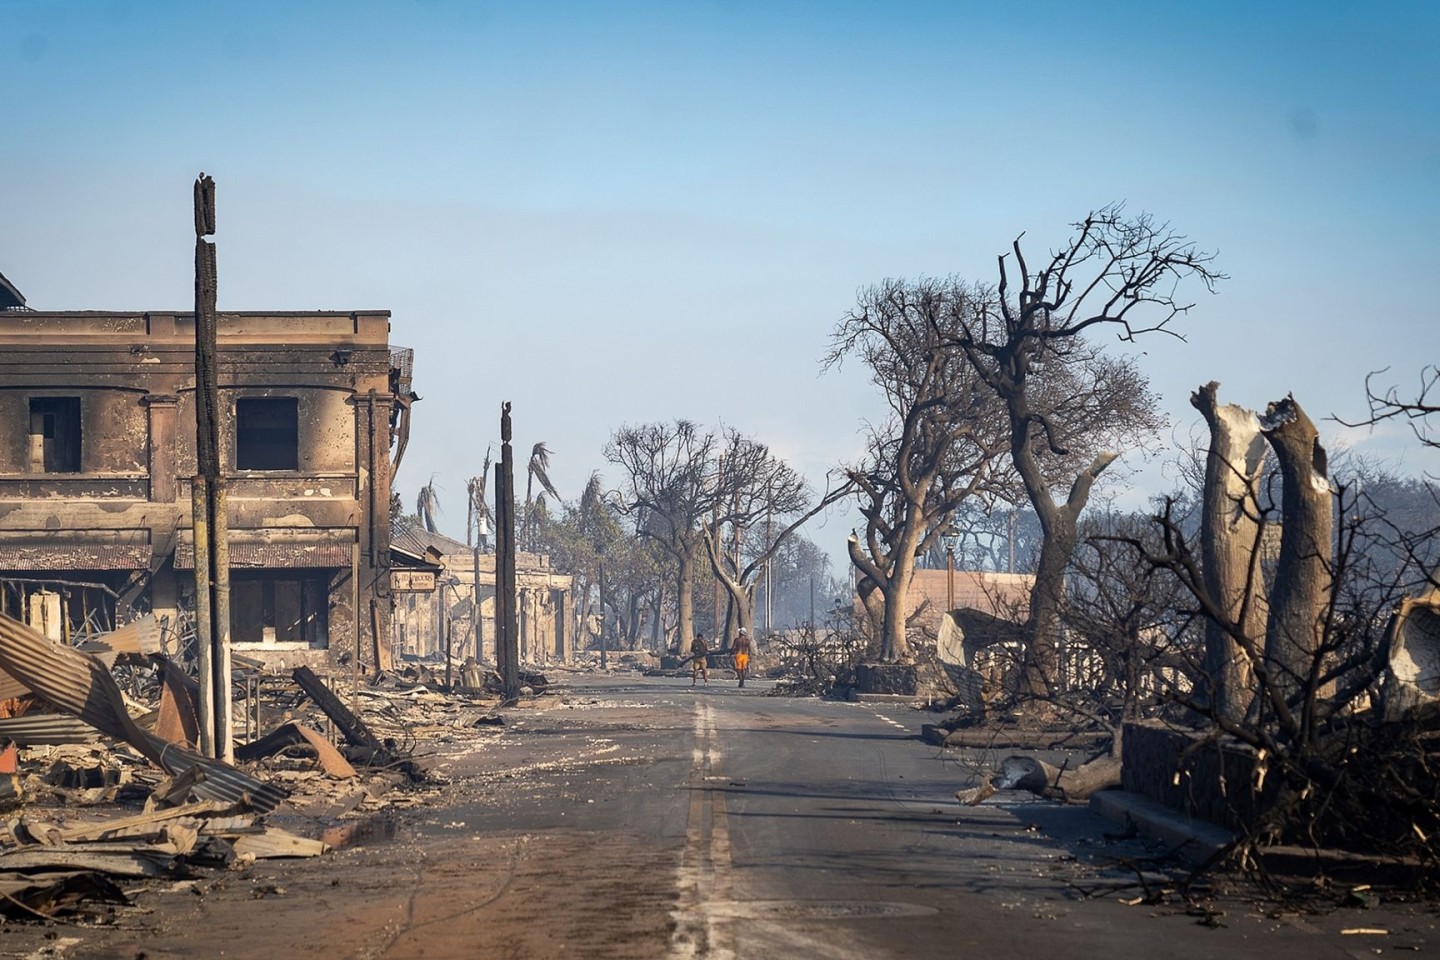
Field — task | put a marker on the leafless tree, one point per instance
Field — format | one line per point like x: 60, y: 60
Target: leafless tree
x: 669, y: 491
x: 995, y: 537
x: 1325, y: 771
x: 758, y: 493
x: 1388, y: 403
x: 939, y: 444
x: 803, y: 583
x: 1131, y: 634
x: 1062, y: 395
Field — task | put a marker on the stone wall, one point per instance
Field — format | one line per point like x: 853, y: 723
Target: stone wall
x: 1211, y: 781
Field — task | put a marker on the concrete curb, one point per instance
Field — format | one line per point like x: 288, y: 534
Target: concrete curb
x: 1196, y: 840
x: 883, y: 697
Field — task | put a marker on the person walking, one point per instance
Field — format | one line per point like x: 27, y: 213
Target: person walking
x: 699, y: 653
x: 741, y: 650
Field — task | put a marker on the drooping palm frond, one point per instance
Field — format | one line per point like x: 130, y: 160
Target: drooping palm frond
x: 593, y: 496
x: 427, y: 505
x: 479, y: 507
x: 539, y: 464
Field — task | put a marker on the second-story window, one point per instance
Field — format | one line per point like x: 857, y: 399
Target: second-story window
x: 267, y: 433
x: 55, y: 434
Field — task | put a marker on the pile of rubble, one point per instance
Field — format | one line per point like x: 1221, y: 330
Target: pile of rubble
x: 103, y: 787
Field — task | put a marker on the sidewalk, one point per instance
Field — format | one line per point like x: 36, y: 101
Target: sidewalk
x: 1196, y: 840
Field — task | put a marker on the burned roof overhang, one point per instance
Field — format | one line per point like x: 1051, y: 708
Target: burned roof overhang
x: 75, y: 556
x: 403, y: 559
x: 10, y: 298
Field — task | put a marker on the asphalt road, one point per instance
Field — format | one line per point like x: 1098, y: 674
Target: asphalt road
x: 628, y: 817
x: 807, y: 828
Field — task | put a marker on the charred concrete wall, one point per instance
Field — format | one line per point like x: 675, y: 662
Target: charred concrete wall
x: 97, y: 447
x: 1202, y: 778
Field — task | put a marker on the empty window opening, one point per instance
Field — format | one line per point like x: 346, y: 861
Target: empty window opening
x: 55, y: 434
x: 265, y: 608
x: 267, y: 433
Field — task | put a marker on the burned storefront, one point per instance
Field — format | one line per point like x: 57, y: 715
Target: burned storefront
x: 440, y: 613
x: 97, y: 449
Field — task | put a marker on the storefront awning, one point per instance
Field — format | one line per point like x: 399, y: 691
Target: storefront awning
x: 75, y: 556
x: 283, y: 553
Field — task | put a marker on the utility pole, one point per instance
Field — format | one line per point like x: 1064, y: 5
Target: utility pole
x: 769, y: 533
x: 600, y: 554
x: 507, y: 634
x: 718, y: 624
x: 732, y: 608
x: 1011, y: 538
x: 482, y: 532
x: 207, y: 500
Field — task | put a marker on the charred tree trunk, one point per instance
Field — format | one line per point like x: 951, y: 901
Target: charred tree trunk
x: 894, y: 637
x: 872, y: 604
x: 1059, y: 525
x: 740, y: 597
x: 1042, y: 629
x: 685, y: 595
x: 1301, y: 594
x: 892, y: 584
x: 1230, y: 551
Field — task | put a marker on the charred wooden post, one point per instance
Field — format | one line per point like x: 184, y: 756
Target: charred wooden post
x: 507, y: 639
x: 212, y: 560
x: 1230, y: 550
x: 346, y: 721
x: 476, y: 628
x: 384, y: 661
x: 444, y: 634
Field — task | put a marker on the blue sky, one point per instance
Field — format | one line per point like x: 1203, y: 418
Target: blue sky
x: 609, y: 213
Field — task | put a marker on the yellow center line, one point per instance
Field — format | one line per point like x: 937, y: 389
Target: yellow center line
x: 703, y: 881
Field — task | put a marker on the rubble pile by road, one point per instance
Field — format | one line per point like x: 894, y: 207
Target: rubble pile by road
x: 104, y: 791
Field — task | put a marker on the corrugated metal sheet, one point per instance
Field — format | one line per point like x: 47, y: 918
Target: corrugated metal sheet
x: 80, y: 685
x: 75, y: 556
x: 279, y: 554
x: 41, y: 729
x: 142, y: 637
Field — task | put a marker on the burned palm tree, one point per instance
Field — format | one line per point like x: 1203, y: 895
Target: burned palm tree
x: 427, y: 504
x: 537, y: 470
x: 479, y: 518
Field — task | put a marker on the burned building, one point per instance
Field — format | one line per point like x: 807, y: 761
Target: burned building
x: 443, y: 610
x: 97, y: 448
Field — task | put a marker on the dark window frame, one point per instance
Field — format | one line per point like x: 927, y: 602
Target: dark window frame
x: 267, y: 433
x: 295, y: 604
x: 61, y: 433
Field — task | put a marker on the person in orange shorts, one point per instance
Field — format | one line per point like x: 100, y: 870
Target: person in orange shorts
x: 741, y: 650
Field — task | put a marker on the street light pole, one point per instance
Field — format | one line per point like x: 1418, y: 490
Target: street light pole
x: 949, y: 541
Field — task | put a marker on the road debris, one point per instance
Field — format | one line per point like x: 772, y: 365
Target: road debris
x: 104, y: 788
